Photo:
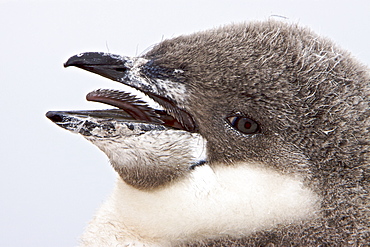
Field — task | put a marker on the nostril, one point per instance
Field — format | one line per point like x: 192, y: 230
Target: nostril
x: 121, y: 69
x: 53, y: 116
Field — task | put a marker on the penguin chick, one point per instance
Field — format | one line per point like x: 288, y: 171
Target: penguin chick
x: 261, y: 139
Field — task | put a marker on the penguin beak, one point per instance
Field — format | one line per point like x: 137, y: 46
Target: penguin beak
x: 111, y: 66
x: 103, y: 123
x: 130, y: 108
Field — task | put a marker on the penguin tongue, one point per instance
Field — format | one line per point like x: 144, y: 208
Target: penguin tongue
x: 137, y: 108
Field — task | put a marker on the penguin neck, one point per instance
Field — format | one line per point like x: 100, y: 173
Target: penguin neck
x: 211, y: 202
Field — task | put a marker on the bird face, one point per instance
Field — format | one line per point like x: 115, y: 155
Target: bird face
x: 213, y: 94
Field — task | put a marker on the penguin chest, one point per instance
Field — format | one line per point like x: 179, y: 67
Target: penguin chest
x: 213, y: 202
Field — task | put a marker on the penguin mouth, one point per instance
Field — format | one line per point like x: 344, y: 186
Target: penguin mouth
x: 139, y: 110
x: 131, y: 109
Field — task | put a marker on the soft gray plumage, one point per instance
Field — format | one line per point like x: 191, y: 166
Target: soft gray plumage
x: 309, y: 98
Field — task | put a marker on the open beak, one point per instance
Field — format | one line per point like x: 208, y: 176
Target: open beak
x: 129, y: 108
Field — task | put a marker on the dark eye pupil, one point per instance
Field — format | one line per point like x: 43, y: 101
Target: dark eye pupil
x: 247, y: 125
x: 244, y: 124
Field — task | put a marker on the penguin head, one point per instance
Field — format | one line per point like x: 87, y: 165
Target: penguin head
x: 266, y: 92
x: 269, y: 92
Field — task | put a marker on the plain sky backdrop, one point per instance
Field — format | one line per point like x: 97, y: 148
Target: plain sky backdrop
x: 52, y: 181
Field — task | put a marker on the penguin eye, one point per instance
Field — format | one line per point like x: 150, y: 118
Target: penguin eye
x: 243, y: 124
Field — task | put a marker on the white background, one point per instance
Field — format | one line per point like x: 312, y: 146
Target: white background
x: 52, y: 181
